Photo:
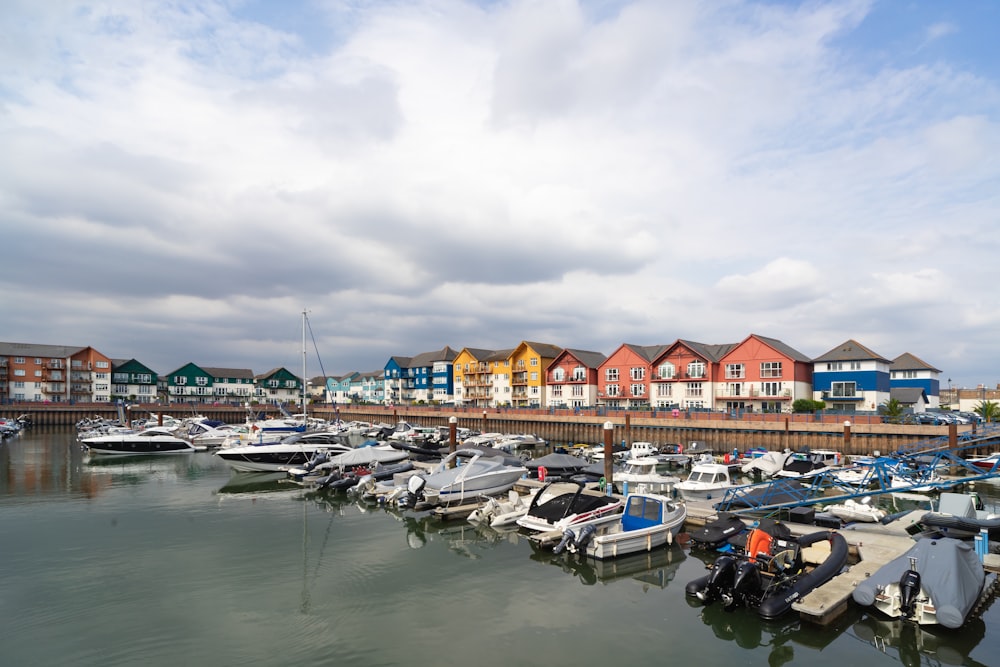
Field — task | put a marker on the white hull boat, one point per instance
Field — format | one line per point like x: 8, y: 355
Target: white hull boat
x: 649, y: 521
x: 852, y: 510
x: 479, y: 476
x: 563, y: 505
x: 705, y: 482
x: 151, y: 441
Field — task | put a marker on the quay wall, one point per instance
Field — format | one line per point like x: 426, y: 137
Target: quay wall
x: 716, y: 430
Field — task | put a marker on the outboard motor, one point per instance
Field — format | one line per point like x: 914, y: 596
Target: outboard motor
x: 909, y: 589
x: 720, y: 580
x: 324, y: 482
x: 567, y: 539
x: 584, y: 539
x: 318, y: 457
x: 747, y: 583
x: 414, y: 492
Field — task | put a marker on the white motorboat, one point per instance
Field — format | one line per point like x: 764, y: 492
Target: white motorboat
x: 855, y: 510
x: 706, y: 481
x: 500, y: 513
x: 649, y: 521
x: 152, y: 441
x: 455, y: 480
x: 646, y: 474
x: 768, y: 463
x: 294, y: 451
x: 810, y: 463
x: 563, y: 505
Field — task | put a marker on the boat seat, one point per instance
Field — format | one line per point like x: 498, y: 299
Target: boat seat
x: 816, y: 553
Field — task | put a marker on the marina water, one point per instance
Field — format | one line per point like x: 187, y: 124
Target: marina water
x: 178, y: 561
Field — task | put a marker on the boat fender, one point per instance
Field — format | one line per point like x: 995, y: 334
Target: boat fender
x: 584, y: 539
x: 566, y: 541
x: 909, y: 588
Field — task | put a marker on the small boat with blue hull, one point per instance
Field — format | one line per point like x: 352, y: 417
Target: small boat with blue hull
x: 648, y: 522
x: 773, y: 571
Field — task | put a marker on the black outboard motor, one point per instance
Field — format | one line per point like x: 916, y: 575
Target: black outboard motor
x: 584, y: 539
x: 747, y: 584
x: 318, y: 457
x: 909, y: 589
x: 720, y: 580
x: 567, y: 539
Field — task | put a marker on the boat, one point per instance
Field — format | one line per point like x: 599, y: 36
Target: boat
x: 344, y: 480
x: 856, y: 510
x: 555, y: 466
x: 562, y: 505
x: 516, y: 443
x: 767, y: 463
x: 646, y: 474
x: 772, y: 571
x: 936, y: 582
x: 809, y: 463
x: 151, y: 441
x: 648, y: 521
x: 706, y: 480
x: 716, y: 534
x: 501, y: 513
x: 987, y: 463
x: 960, y: 515
x: 454, y: 481
x: 327, y: 461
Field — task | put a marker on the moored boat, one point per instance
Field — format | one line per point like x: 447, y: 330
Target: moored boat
x: 648, y: 521
x: 151, y: 441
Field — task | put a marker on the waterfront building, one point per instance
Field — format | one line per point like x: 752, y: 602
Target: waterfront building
x: 339, y: 387
x: 762, y: 374
x: 623, y: 378
x: 429, y: 376
x: 54, y: 373
x: 528, y: 362
x: 473, y: 377
x: 279, y: 386
x: 910, y: 372
x: 687, y: 373
x: 133, y: 381
x: 571, y: 379
x: 851, y: 378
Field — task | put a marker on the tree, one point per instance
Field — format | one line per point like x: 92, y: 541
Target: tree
x: 807, y: 405
x: 893, y: 410
x: 989, y: 411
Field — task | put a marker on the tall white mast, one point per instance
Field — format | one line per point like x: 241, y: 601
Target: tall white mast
x: 305, y: 412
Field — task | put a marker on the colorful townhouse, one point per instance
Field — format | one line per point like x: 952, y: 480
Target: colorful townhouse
x: 195, y: 384
x: 279, y: 386
x: 429, y: 376
x: 685, y: 375
x: 915, y: 383
x: 571, y: 380
x: 473, y: 376
x: 761, y: 374
x: 623, y: 378
x: 528, y: 362
x: 133, y: 381
x: 851, y: 378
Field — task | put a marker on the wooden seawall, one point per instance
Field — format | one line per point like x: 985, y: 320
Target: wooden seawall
x: 716, y: 430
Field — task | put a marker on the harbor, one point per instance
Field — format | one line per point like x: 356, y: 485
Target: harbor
x: 246, y: 567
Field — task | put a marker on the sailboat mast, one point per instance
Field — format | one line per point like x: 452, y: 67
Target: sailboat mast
x: 305, y: 412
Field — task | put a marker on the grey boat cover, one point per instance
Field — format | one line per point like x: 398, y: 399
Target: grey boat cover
x: 558, y: 462
x: 364, y: 456
x: 950, y: 573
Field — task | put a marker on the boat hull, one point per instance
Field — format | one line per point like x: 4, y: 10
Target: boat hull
x: 133, y: 445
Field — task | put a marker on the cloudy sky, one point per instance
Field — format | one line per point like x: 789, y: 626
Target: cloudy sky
x: 180, y: 180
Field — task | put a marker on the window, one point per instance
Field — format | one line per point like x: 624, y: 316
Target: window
x: 693, y: 389
x: 557, y: 390
x: 855, y: 365
x: 201, y: 381
x: 835, y: 366
x: 734, y: 389
x: 666, y: 371
x: 577, y: 390
x: 770, y: 388
x: 665, y: 390
x: 20, y: 372
x: 612, y: 390
x: 38, y: 361
x: 534, y: 361
x: 534, y: 376
x: 120, y: 389
x: 734, y: 371
x: 637, y: 373
x: 18, y: 360
x: 843, y: 389
x: 696, y: 369
x: 145, y: 389
x: 638, y: 389
x: 558, y: 375
x: 38, y: 374
x: 272, y: 384
x: 770, y: 369
x: 180, y: 379
x: 611, y: 374
x: 103, y: 364
x: 579, y: 374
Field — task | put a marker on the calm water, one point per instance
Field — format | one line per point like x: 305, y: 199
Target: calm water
x: 178, y: 561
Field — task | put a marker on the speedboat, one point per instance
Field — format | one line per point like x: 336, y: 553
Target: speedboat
x: 706, y: 481
x: 555, y: 466
x: 500, y: 513
x: 768, y: 463
x: 649, y: 521
x: 962, y: 516
x: 987, y: 463
x: 294, y: 450
x: 153, y: 440
x: 809, y: 463
x: 563, y: 505
x: 938, y: 581
x: 454, y: 481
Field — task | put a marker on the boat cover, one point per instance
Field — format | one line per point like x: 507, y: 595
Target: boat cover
x: 950, y: 573
x: 558, y: 463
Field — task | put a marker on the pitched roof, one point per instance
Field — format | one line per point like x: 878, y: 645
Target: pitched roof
x: 546, y: 350
x: 429, y: 358
x: 647, y: 352
x: 33, y: 350
x: 710, y: 352
x: 783, y: 348
x: 244, y: 373
x: 586, y: 357
x: 909, y: 362
x: 850, y: 350
x: 908, y: 395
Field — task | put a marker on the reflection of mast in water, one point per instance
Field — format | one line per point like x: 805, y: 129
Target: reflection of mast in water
x: 307, y: 585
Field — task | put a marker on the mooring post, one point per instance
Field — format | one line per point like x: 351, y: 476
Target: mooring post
x: 608, y: 458
x: 452, y: 433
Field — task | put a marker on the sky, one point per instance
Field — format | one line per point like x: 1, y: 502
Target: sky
x: 181, y: 180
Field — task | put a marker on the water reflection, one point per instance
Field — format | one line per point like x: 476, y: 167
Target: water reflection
x: 257, y: 483
x: 915, y: 644
x: 656, y: 568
